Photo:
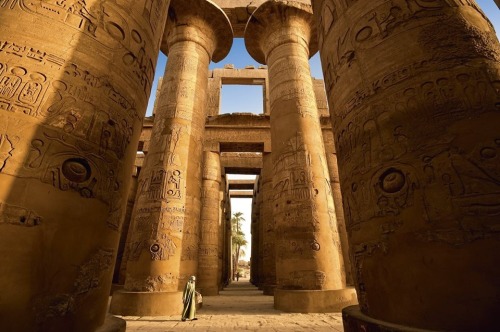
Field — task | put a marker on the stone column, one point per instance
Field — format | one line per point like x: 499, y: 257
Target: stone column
x: 333, y: 169
x: 164, y: 243
x: 414, y: 97
x: 254, y: 257
x: 208, y: 253
x: 227, y: 239
x: 222, y: 230
x: 75, y: 78
x: 308, y: 253
x: 267, y: 220
x: 121, y: 257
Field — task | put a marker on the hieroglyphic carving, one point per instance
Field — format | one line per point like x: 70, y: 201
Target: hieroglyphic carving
x: 106, y: 23
x: 6, y: 148
x: 16, y: 215
x: 304, y: 279
x: 91, y: 273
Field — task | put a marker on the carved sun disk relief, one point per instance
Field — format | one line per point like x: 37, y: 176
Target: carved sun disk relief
x: 76, y: 169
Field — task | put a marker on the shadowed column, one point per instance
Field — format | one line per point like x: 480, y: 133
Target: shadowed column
x: 267, y: 219
x: 75, y: 78
x: 413, y: 88
x: 163, y: 251
x: 208, y: 254
x: 308, y: 254
x: 331, y: 158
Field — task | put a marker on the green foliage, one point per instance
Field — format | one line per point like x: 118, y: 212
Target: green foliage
x: 237, y: 238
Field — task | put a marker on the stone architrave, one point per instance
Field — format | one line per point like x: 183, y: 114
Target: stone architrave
x: 163, y: 250
x: 208, y: 254
x: 75, y: 78
x: 308, y: 254
x: 413, y: 88
x: 267, y: 220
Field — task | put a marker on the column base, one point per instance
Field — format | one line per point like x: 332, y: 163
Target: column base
x: 112, y: 324
x: 354, y: 321
x: 208, y: 291
x: 146, y: 303
x: 269, y: 289
x: 314, y: 301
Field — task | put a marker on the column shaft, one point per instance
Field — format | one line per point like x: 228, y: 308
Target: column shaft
x: 164, y: 245
x: 75, y: 79
x: 308, y: 250
x: 331, y: 158
x: 208, y: 254
x: 413, y: 88
x: 267, y: 220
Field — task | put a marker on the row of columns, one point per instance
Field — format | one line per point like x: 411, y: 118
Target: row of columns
x: 413, y: 93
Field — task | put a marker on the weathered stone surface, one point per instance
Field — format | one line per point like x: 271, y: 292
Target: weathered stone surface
x: 267, y: 228
x: 308, y: 254
x: 331, y: 158
x: 164, y: 244
x: 75, y: 78
x: 413, y: 92
x: 208, y: 253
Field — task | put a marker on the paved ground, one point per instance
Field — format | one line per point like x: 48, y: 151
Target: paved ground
x: 240, y: 307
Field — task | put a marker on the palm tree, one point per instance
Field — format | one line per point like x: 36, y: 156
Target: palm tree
x: 237, y: 240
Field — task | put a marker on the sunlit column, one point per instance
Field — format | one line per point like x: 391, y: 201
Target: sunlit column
x: 308, y: 255
x: 208, y: 253
x: 163, y: 251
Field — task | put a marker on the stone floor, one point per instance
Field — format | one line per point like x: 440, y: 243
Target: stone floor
x: 240, y: 307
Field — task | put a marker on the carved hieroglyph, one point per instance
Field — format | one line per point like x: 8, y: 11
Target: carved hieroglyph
x: 164, y: 244
x: 208, y: 253
x: 75, y: 78
x: 414, y: 98
x: 331, y: 159
x: 267, y: 226
x: 281, y: 35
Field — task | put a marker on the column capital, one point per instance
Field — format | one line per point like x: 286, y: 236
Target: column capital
x: 201, y: 22
x: 276, y: 23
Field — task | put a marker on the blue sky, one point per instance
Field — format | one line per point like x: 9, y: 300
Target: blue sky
x: 232, y: 95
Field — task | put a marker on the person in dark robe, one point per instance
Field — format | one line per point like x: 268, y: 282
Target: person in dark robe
x: 189, y: 300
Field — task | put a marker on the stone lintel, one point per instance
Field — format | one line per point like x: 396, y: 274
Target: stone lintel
x: 146, y: 303
x: 201, y: 14
x: 241, y: 184
x: 311, y: 301
x: 241, y: 163
x: 239, y: 132
x: 241, y: 193
x: 354, y: 321
x: 240, y: 76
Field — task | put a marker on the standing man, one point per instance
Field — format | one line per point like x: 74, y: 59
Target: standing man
x: 188, y: 298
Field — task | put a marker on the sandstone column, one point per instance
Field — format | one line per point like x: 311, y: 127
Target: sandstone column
x: 333, y: 169
x: 222, y: 230
x: 414, y: 97
x: 254, y: 257
x: 308, y: 254
x: 227, y: 240
x: 164, y: 244
x: 268, y: 235
x: 75, y: 78
x: 208, y: 253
